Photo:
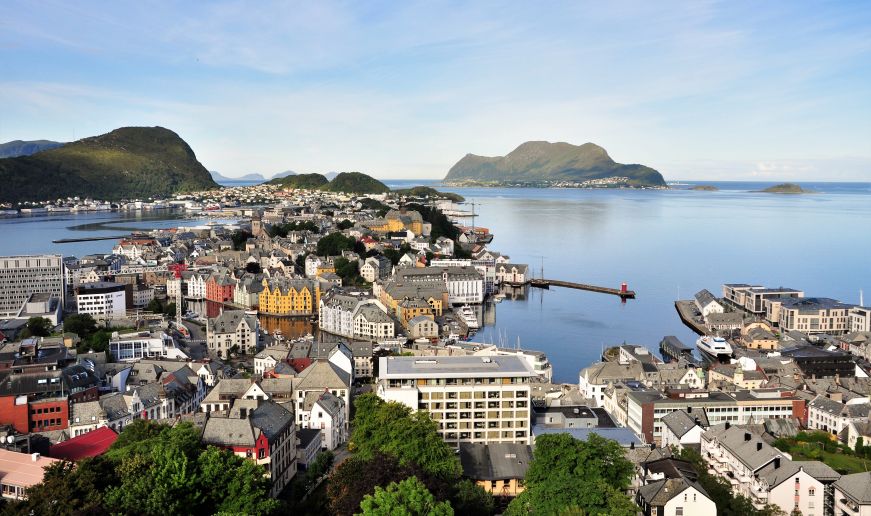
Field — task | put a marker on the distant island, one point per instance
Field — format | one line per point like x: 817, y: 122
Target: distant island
x: 357, y: 183
x: 17, y: 148
x: 127, y: 163
x: 426, y: 191
x: 248, y: 177
x: 704, y: 188
x: 786, y: 188
x: 540, y: 163
x: 301, y: 181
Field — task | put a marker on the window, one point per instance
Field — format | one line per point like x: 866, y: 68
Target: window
x: 811, y: 491
x: 678, y: 511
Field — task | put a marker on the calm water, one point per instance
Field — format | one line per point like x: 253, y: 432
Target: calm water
x: 664, y: 244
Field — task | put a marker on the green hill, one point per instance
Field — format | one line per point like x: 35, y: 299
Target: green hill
x: 355, y: 182
x: 17, y: 148
x: 547, y: 162
x: 130, y: 162
x: 302, y: 181
x: 426, y: 191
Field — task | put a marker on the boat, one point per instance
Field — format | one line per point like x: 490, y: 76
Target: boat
x: 467, y: 315
x: 498, y: 298
x: 714, y: 346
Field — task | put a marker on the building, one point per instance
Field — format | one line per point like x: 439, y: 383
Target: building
x: 593, y: 380
x: 372, y: 323
x: 196, y: 285
x: 472, y: 399
x: 219, y: 288
x: 759, y: 335
x: 817, y: 362
x: 752, y: 298
x: 21, y: 276
x: 852, y: 495
x: 812, y: 315
x: 269, y: 358
x: 860, y: 319
x: 499, y: 468
x: 233, y: 329
x: 764, y: 474
x: 102, y: 300
x: 422, y: 327
x: 129, y: 347
x: 20, y: 471
x: 308, y: 448
x: 323, y: 376
x: 326, y: 413
x: 259, y: 430
x: 465, y: 285
x: 674, y: 497
x: 683, y: 428
x: 511, y: 273
x: 832, y: 416
x: 707, y: 303
x: 41, y: 304
x: 89, y: 444
x: 110, y: 410
x: 375, y: 268
x: 283, y: 296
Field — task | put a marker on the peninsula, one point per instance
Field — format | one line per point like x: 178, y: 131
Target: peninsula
x: 546, y: 164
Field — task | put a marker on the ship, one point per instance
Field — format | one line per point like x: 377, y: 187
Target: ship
x: 468, y: 316
x: 714, y: 346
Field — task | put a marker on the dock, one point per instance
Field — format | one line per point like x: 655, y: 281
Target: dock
x: 687, y: 310
x: 622, y: 293
x: 88, y: 239
x: 673, y: 348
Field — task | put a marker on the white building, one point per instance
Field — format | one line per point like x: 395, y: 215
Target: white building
x: 683, y: 428
x: 372, y: 323
x: 269, y: 358
x: 675, y: 497
x: 196, y: 285
x: 860, y: 319
x: 233, y: 328
x: 102, y: 300
x: 852, y: 496
x: 422, y: 327
x: 325, y: 412
x: 465, y: 285
x: 21, y: 276
x: 707, y: 303
x: 511, y: 273
x: 472, y: 399
x: 833, y: 416
x: 129, y: 347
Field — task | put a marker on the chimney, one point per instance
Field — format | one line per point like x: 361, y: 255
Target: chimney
x: 776, y: 462
x: 243, y: 413
x: 34, y: 457
x: 728, y: 425
x: 759, y: 446
x: 689, y: 410
x: 747, y: 436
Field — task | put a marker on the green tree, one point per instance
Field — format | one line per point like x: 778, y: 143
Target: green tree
x: 240, y: 238
x: 412, y: 437
x: 334, y: 243
x: 253, y: 268
x: 565, y: 472
x: 409, y: 497
x: 68, y: 489
x: 154, y: 306
x: 344, y: 224
x: 82, y: 325
x: 349, y: 271
x: 39, y: 326
x: 242, y: 483
x: 471, y: 499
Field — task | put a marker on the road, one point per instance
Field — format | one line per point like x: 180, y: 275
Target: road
x: 196, y: 347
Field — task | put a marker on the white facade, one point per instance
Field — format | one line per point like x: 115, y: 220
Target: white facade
x: 232, y: 328
x: 103, y: 305
x: 196, y: 286
x: 133, y: 346
x: 21, y: 276
x: 860, y: 319
x: 472, y: 399
x: 331, y: 423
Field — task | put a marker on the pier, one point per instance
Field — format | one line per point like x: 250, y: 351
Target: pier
x: 687, y: 312
x: 622, y: 293
x: 673, y: 348
x: 88, y: 239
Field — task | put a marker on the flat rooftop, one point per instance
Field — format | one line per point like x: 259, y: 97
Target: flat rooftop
x: 452, y: 367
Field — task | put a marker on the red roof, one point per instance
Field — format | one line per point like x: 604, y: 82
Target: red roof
x: 91, y: 444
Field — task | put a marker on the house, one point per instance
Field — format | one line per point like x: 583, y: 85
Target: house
x: 375, y: 267
x: 674, y: 497
x: 707, y: 303
x: 833, y: 416
x: 232, y: 330
x: 857, y: 430
x: 683, y: 428
x: 759, y: 335
x: 325, y: 412
x: 499, y: 468
x: 129, y: 347
x: 320, y: 376
x: 259, y: 430
x: 20, y: 471
x: 852, y: 494
x: 110, y: 410
x: 102, y: 300
x: 220, y: 287
x: 89, y: 444
x: 372, y: 323
x: 268, y: 358
x: 511, y: 273
x: 308, y: 448
x: 422, y: 327
x: 284, y: 296
x: 593, y: 379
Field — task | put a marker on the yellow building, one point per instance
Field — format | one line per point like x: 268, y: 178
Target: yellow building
x: 397, y: 220
x: 392, y: 293
x: 325, y: 267
x: 408, y: 309
x: 282, y: 296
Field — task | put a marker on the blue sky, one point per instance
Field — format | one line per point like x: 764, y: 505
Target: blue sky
x: 699, y: 90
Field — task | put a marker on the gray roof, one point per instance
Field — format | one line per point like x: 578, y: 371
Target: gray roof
x: 830, y: 406
x: 704, y: 297
x: 747, y: 447
x: 271, y: 418
x: 321, y: 375
x: 228, y: 321
x: 453, y: 367
x: 333, y: 405
x: 679, y: 422
x: 306, y: 436
x: 856, y: 486
x: 658, y: 493
x: 497, y: 461
x: 624, y: 436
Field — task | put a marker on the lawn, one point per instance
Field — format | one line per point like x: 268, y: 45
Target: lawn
x: 844, y: 464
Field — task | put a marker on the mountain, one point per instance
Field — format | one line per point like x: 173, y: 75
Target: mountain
x: 17, y: 148
x: 284, y: 174
x: 550, y: 162
x: 355, y: 182
x: 302, y: 181
x: 224, y: 179
x: 428, y: 191
x: 331, y: 175
x: 130, y: 162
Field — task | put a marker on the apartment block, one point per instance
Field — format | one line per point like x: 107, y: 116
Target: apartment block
x: 21, y: 276
x: 472, y: 399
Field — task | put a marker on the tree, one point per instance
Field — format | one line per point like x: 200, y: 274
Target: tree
x: 240, y: 238
x: 39, y: 326
x: 334, y: 243
x: 412, y: 437
x: 409, y: 497
x: 348, y: 270
x: 344, y: 224
x: 565, y: 473
x: 68, y: 489
x: 253, y: 268
x: 154, y: 306
x: 471, y: 499
x: 82, y: 325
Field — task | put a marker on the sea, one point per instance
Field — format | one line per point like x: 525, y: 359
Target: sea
x: 665, y: 244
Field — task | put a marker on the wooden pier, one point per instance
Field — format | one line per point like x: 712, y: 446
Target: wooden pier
x: 547, y: 283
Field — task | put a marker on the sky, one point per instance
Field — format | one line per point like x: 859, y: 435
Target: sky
x: 698, y: 90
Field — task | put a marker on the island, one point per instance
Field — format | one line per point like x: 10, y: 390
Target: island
x: 704, y: 188
x: 786, y: 188
x: 549, y: 165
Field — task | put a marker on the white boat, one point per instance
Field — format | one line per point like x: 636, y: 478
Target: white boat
x: 714, y: 346
x: 498, y: 298
x: 468, y: 316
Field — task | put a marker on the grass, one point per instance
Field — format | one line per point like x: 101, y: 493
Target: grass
x: 822, y: 447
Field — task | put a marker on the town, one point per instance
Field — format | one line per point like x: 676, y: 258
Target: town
x: 300, y: 335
